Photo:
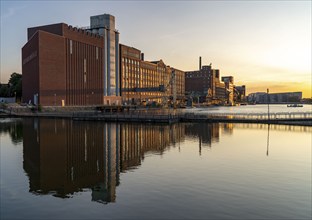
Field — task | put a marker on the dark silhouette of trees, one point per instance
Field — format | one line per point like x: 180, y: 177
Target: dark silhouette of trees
x: 13, y: 88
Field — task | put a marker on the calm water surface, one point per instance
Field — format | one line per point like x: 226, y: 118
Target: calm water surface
x: 274, y: 108
x: 61, y: 169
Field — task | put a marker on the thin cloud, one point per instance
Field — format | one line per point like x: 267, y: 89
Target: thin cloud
x: 11, y: 12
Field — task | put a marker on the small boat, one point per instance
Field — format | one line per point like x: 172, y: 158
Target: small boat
x: 295, y: 105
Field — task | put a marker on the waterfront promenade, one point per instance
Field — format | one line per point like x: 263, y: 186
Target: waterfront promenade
x: 164, y: 115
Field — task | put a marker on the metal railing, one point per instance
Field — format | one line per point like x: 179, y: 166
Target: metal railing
x: 253, y: 116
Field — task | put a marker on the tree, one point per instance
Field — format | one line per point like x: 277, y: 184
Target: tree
x: 15, y: 85
x: 4, y: 90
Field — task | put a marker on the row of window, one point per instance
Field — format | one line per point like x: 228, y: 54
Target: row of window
x: 71, y: 49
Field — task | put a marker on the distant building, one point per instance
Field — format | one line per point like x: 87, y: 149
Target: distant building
x: 239, y: 93
x: 198, y: 82
x: 179, y: 84
x: 218, y: 89
x: 65, y: 65
x: 205, y: 84
x: 229, y: 88
x: 286, y: 97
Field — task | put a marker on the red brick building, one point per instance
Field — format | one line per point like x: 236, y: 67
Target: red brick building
x: 64, y: 65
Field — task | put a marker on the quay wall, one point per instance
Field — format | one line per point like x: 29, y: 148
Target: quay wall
x: 150, y: 117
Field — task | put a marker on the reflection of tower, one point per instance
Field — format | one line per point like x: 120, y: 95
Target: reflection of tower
x: 62, y: 157
x: 68, y: 156
x: 105, y: 191
x: 268, y: 140
x: 228, y: 128
x: 199, y: 145
x: 208, y: 132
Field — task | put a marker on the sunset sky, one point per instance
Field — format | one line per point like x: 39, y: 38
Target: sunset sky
x: 263, y: 44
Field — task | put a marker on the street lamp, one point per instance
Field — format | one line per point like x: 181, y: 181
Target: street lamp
x: 268, y: 97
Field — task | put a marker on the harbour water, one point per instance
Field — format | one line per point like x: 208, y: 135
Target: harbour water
x: 63, y: 169
x: 249, y: 109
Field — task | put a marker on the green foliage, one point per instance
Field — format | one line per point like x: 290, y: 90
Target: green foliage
x: 4, y: 90
x: 15, y: 85
x: 14, y: 129
x: 13, y: 88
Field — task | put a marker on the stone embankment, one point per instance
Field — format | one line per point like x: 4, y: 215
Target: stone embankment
x: 155, y: 116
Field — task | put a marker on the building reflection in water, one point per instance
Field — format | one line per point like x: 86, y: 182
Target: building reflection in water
x: 62, y: 157
x: 140, y: 139
x: 207, y: 133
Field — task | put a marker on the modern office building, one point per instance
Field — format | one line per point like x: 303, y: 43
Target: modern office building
x: 64, y: 65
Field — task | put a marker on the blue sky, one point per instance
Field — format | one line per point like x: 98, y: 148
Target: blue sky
x: 261, y: 43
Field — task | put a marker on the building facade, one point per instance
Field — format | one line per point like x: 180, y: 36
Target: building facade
x: 177, y: 88
x: 240, y: 93
x: 104, y: 25
x: 198, y: 82
x: 229, y: 88
x: 64, y: 65
x: 205, y: 85
x: 286, y: 97
x: 148, y: 82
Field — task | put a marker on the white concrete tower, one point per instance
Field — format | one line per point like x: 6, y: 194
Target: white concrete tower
x: 104, y: 25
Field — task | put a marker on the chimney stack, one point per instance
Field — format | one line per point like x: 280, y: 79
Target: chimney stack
x: 200, y: 65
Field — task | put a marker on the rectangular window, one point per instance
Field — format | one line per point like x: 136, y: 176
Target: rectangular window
x: 84, y: 65
x: 85, y: 78
x: 71, y: 46
x: 97, y: 53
